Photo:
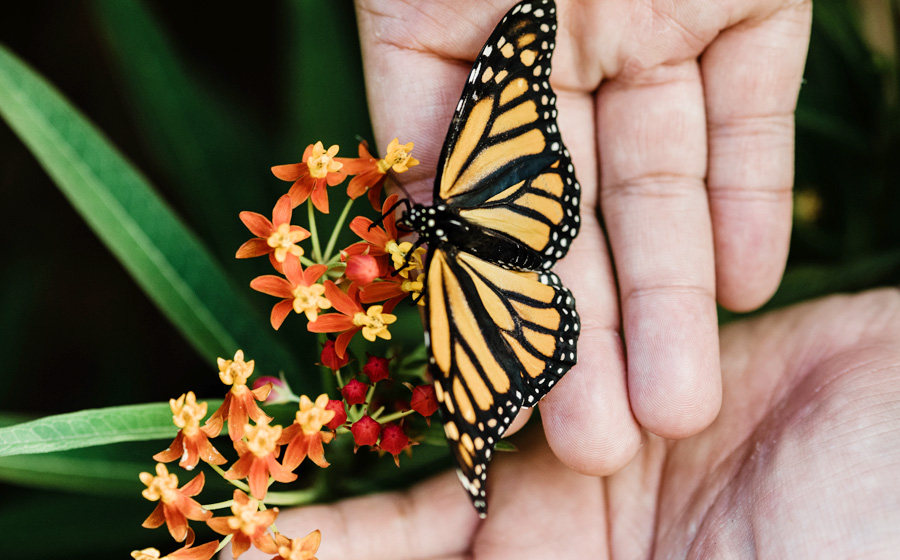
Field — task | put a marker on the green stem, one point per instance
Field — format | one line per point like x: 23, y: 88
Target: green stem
x: 218, y: 505
x: 236, y: 483
x: 394, y: 416
x: 337, y: 229
x: 313, y: 232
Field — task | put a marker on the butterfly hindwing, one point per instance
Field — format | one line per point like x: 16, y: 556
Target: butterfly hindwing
x: 499, y: 340
x: 504, y: 165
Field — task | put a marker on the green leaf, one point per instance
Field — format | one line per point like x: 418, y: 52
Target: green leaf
x: 73, y: 473
x: 88, y: 428
x: 159, y: 251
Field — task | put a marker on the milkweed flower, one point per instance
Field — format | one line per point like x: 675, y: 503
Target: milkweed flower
x: 305, y: 437
x: 330, y: 359
x: 371, y: 172
x: 192, y: 442
x: 298, y: 549
x: 340, y: 414
x: 317, y: 169
x: 248, y: 525
x: 376, y: 239
x: 201, y: 552
x: 373, y: 322
x: 240, y: 402
x: 394, y: 440
x: 276, y: 238
x: 354, y: 392
x: 175, y: 505
x: 258, y: 459
x: 300, y: 291
x: 376, y: 369
x: 365, y: 431
x: 424, y: 401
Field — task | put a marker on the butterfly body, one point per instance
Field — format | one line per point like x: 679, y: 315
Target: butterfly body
x: 501, y: 328
x: 444, y: 225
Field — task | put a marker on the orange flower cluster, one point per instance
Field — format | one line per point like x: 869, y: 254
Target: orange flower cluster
x: 353, y: 290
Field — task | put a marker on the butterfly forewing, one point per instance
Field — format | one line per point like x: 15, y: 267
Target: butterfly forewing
x: 504, y: 165
x: 499, y: 340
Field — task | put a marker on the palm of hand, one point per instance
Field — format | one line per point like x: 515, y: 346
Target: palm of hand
x: 801, y: 462
x: 687, y: 159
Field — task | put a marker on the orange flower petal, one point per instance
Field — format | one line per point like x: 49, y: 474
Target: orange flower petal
x: 254, y: 248
x: 272, y: 285
x: 259, y: 225
x: 289, y: 172
x: 280, y: 312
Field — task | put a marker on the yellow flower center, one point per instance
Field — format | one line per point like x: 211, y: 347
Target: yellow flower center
x: 163, y: 486
x: 309, y: 300
x: 284, y: 241
x: 261, y: 438
x: 245, y: 517
x: 321, y: 162
x: 397, y: 157
x: 146, y: 554
x: 413, y: 286
x: 187, y: 413
x: 398, y: 253
x: 374, y: 323
x: 312, y: 416
x: 236, y: 371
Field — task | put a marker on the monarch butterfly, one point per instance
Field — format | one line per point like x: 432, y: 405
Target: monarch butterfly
x: 501, y: 328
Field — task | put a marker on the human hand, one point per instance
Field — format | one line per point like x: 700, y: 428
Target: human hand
x: 689, y: 159
x: 801, y: 462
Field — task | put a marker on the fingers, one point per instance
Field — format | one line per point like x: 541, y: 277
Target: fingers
x: 538, y: 508
x: 751, y: 76
x: 652, y: 131
x: 433, y: 520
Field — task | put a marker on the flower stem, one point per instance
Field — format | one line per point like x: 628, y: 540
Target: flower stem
x: 394, y: 416
x: 314, y: 233
x: 236, y: 483
x: 337, y: 229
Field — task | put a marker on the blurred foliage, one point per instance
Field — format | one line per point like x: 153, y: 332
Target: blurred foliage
x: 203, y: 102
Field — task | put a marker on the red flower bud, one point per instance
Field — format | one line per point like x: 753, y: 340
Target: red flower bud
x: 393, y: 440
x: 365, y: 431
x: 340, y: 414
x: 354, y: 392
x: 423, y: 400
x: 362, y: 269
x: 376, y: 369
x: 330, y: 359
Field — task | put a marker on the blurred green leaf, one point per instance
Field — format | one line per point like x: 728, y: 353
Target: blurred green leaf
x: 88, y: 428
x: 69, y: 472
x: 208, y: 145
x: 159, y: 251
x: 327, y: 95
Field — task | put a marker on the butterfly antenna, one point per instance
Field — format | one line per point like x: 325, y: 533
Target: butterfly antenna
x: 389, y: 211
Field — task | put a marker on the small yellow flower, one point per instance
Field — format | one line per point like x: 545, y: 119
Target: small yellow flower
x: 321, y: 162
x: 261, y: 438
x: 175, y: 505
x: 397, y: 157
x: 310, y: 300
x: 374, y: 323
x: 187, y: 412
x: 399, y: 253
x: 313, y: 415
x: 284, y: 240
x: 236, y: 371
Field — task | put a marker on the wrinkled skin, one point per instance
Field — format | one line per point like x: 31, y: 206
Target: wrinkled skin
x: 802, y: 462
x: 679, y: 118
